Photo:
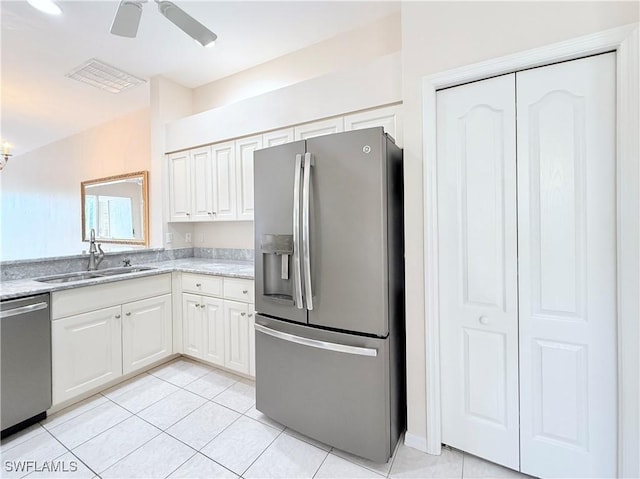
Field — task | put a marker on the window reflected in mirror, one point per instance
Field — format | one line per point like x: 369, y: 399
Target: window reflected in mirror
x: 117, y: 208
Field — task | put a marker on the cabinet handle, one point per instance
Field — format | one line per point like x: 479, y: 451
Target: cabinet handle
x: 483, y: 320
x: 188, y: 214
x: 250, y: 315
x: 202, y: 306
x: 244, y: 291
x: 117, y: 316
x: 198, y: 285
x: 243, y: 314
x: 197, y: 305
x: 128, y: 313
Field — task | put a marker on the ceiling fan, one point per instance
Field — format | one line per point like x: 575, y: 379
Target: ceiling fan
x: 127, y: 18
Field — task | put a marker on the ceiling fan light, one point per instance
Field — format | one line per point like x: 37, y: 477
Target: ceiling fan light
x: 45, y: 6
x: 192, y: 27
x: 127, y: 19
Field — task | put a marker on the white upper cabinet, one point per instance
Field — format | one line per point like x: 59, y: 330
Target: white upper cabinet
x: 180, y: 186
x: 318, y: 128
x: 244, y: 178
x: 224, y: 191
x: 388, y: 118
x: 215, y: 183
x: 202, y: 192
x: 278, y: 137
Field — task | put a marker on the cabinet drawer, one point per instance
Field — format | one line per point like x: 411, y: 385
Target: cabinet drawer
x: 90, y: 298
x: 202, y: 284
x: 238, y: 289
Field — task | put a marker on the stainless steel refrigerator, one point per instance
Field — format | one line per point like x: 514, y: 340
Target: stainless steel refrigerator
x: 330, y: 289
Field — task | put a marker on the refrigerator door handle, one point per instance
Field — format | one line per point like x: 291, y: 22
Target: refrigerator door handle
x: 308, y: 163
x: 297, y: 272
x: 314, y: 343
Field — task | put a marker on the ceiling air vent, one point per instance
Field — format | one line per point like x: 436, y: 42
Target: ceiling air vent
x: 103, y: 76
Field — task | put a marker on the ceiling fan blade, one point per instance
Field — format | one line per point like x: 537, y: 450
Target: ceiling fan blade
x: 187, y: 23
x: 127, y: 19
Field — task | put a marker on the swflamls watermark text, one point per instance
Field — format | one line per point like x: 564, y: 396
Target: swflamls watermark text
x: 29, y: 466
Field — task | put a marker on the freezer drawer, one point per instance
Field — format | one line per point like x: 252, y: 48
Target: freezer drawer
x: 330, y: 386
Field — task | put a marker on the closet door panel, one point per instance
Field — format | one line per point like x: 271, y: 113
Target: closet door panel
x: 478, y: 270
x: 567, y: 257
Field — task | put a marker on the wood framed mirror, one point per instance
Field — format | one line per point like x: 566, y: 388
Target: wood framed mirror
x: 117, y: 208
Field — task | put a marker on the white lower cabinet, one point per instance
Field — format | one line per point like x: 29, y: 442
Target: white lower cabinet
x: 146, y: 332
x: 219, y: 330
x: 203, y: 327
x: 86, y: 352
x: 95, y: 341
x: 237, y: 326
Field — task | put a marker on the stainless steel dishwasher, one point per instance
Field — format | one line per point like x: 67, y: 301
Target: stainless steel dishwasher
x: 25, y: 337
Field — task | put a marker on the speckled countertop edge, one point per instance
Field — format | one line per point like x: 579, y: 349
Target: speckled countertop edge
x: 229, y: 268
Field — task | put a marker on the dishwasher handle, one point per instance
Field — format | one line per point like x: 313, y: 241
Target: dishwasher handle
x: 22, y: 310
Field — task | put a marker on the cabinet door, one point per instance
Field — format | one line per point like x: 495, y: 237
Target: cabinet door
x: 86, y: 352
x: 224, y: 178
x: 213, y: 329
x: 146, y: 332
x: 192, y: 339
x: 388, y: 118
x: 244, y: 175
x: 179, y: 187
x: 236, y: 324
x: 278, y: 137
x: 319, y: 128
x: 252, y: 340
x: 202, y: 185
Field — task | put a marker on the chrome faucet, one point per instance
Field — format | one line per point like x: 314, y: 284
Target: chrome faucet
x: 93, y: 264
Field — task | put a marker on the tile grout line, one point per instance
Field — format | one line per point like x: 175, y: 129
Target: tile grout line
x: 260, y: 455
x: 69, y: 451
x: 92, y: 437
x: 179, y: 466
x: 322, y: 463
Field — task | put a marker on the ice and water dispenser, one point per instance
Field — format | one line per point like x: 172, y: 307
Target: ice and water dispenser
x: 277, y: 251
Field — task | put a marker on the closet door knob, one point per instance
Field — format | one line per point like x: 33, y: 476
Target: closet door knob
x: 483, y: 320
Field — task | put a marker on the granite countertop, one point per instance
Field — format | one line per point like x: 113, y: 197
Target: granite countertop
x: 218, y: 267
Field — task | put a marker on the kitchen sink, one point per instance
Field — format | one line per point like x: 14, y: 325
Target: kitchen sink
x: 67, y: 278
x: 123, y: 270
x: 83, y: 275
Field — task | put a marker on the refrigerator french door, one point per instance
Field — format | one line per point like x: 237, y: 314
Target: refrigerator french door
x: 329, y: 289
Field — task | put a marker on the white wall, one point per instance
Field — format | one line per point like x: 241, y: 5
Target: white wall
x: 235, y: 234
x: 169, y: 101
x: 438, y: 36
x: 40, y: 191
x: 355, y: 48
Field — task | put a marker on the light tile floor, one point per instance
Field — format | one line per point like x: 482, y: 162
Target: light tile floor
x: 187, y: 420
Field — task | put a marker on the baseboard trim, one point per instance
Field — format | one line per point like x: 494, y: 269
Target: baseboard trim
x: 415, y: 441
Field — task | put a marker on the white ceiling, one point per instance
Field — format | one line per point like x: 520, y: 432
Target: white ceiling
x: 41, y: 105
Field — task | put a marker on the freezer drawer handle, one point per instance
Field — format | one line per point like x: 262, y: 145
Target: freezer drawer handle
x: 297, y: 272
x: 314, y: 343
x: 24, y: 309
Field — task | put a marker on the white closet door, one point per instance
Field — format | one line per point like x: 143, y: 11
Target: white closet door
x: 478, y: 269
x: 567, y: 255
